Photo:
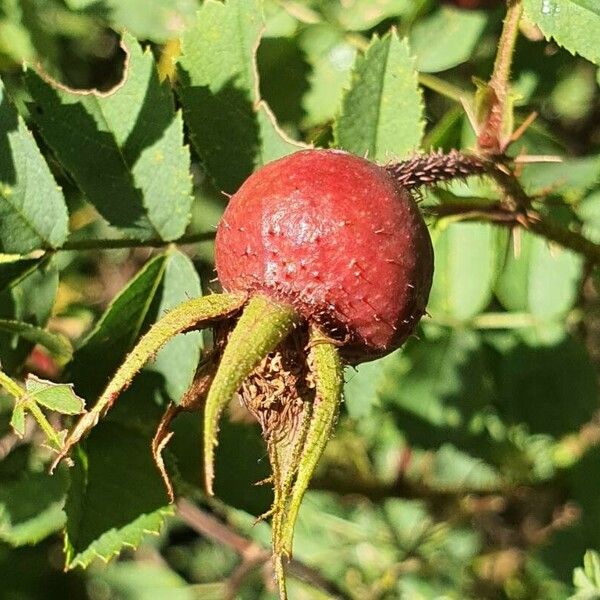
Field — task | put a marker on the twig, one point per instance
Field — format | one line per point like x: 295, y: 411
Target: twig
x: 375, y: 490
x: 530, y: 220
x: 116, y: 244
x: 251, y: 553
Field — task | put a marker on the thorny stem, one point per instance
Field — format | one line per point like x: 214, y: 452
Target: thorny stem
x: 20, y: 396
x: 506, y: 47
x: 489, y: 137
x: 514, y: 209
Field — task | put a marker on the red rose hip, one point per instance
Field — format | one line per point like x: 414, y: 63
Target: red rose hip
x: 338, y: 238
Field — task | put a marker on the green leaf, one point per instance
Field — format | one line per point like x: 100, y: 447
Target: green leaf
x: 15, y: 39
x: 274, y: 143
x: 55, y: 396
x: 283, y: 71
x: 331, y: 58
x: 14, y: 268
x: 570, y: 178
x: 363, y: 385
x: 451, y: 468
x: 58, y: 345
x: 116, y: 495
x: 219, y: 92
x: 438, y: 391
x: 446, y: 39
x: 156, y: 20
x: 550, y: 385
x: 468, y: 259
x: 139, y: 180
x: 587, y: 579
x: 140, y: 581
x: 360, y: 15
x: 445, y: 383
x: 33, y: 213
x: 17, y: 419
x: 31, y: 508
x: 382, y: 112
x: 589, y: 212
x: 540, y: 278
x: 117, y: 330
x: 28, y: 298
x: 573, y: 24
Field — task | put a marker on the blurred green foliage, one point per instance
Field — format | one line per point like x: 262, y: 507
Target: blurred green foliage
x: 465, y: 465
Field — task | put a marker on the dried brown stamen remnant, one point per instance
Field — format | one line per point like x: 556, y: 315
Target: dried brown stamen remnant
x: 275, y: 393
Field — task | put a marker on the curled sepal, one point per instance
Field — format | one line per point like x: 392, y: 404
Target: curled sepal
x: 191, y: 402
x: 326, y: 367
x: 264, y: 324
x: 193, y: 314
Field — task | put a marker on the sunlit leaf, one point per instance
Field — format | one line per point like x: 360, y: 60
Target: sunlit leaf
x: 381, y: 115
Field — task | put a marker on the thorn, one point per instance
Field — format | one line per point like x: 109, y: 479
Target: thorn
x: 517, y: 133
x: 538, y: 158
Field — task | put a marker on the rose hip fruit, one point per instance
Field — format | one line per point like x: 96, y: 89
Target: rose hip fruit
x: 335, y: 236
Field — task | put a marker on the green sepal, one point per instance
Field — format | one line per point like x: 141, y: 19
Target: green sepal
x: 264, y: 324
x: 190, y: 315
x: 324, y: 362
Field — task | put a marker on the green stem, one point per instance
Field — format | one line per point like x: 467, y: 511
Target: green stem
x: 12, y: 387
x: 506, y: 48
x: 490, y: 138
x: 49, y: 431
x: 20, y: 396
x: 117, y: 244
x: 444, y: 88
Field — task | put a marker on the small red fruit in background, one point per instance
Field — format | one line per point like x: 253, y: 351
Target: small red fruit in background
x: 475, y: 4
x: 336, y: 237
